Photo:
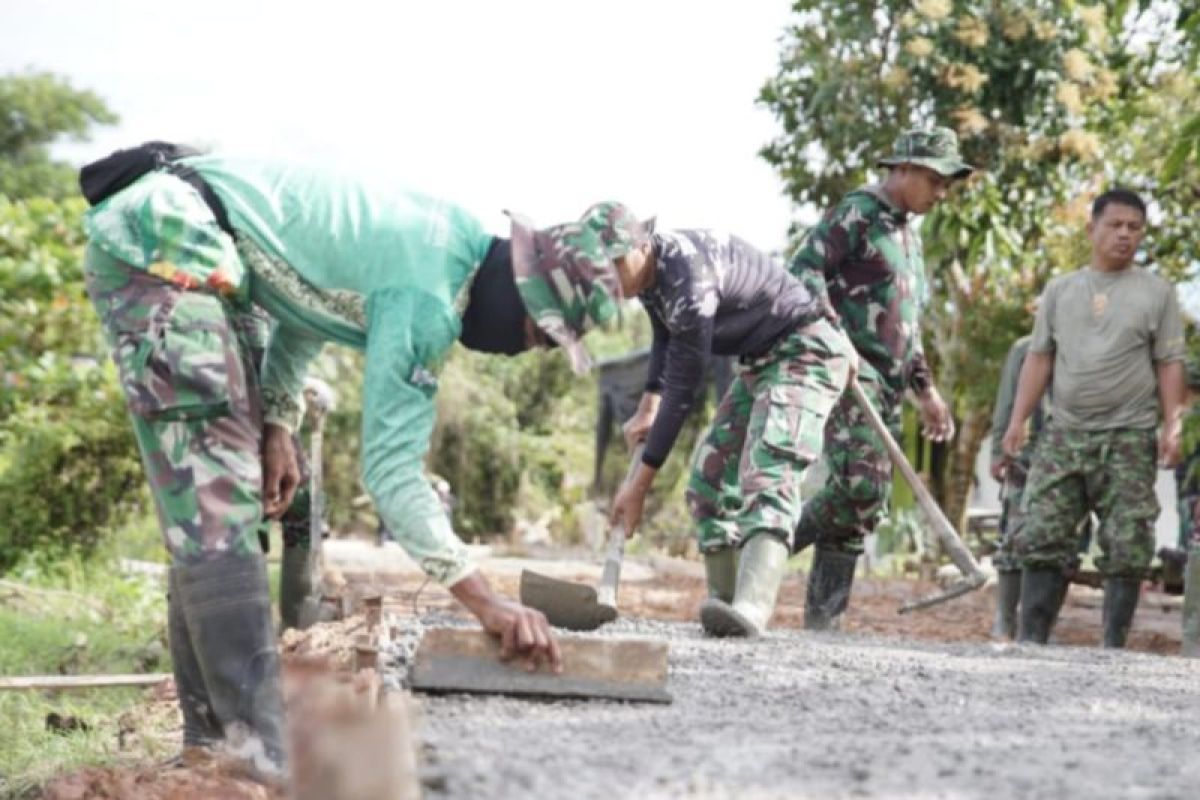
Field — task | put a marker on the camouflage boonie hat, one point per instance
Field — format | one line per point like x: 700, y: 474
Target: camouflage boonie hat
x: 936, y: 149
x: 566, y: 276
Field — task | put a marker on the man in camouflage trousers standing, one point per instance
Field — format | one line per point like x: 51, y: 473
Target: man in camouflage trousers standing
x: 1011, y: 474
x: 1110, y: 336
x: 711, y: 293
x: 864, y: 258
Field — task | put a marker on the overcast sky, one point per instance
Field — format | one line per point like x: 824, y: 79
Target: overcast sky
x: 542, y: 106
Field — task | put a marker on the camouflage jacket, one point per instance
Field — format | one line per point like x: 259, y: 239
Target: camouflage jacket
x: 864, y: 259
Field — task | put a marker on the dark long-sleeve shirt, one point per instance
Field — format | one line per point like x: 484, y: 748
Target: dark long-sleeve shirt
x: 714, y: 294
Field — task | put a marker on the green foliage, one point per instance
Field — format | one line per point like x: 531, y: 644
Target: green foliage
x: 36, y: 109
x: 68, y: 466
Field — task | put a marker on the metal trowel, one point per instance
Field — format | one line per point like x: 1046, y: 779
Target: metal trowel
x: 578, y: 606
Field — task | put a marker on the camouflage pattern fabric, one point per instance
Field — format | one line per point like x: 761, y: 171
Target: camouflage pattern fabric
x: 193, y: 401
x: 1012, y: 518
x: 1187, y: 494
x: 865, y: 262
x: 856, y: 493
x: 747, y: 472
x: 936, y: 149
x: 253, y: 327
x: 1109, y: 472
x: 565, y: 273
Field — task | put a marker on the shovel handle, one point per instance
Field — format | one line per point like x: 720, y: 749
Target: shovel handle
x: 955, y: 548
x: 606, y: 592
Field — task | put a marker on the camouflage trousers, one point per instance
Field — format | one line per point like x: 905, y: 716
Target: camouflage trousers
x: 856, y: 494
x: 768, y: 429
x: 1073, y: 472
x: 193, y: 400
x: 1011, y: 517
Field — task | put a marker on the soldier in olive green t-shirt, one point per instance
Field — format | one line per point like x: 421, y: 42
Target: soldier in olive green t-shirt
x: 1111, y: 336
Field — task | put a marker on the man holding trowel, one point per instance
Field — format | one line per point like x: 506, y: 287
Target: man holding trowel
x: 180, y: 248
x: 864, y: 258
x: 711, y: 293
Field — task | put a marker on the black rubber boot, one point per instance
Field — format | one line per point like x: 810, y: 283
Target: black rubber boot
x: 295, y: 584
x: 1120, y: 602
x: 227, y: 606
x: 200, y: 725
x: 1042, y: 593
x: 829, y: 586
x: 1008, y: 597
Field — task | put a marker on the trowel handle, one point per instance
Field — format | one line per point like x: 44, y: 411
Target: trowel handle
x: 606, y: 592
x: 955, y: 548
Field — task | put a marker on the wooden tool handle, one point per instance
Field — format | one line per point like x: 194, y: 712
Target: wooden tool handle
x: 80, y: 681
x: 955, y: 548
x: 606, y: 592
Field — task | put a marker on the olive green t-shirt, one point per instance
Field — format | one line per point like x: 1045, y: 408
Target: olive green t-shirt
x: 1108, y: 331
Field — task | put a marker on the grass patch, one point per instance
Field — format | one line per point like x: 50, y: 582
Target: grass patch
x: 79, y: 617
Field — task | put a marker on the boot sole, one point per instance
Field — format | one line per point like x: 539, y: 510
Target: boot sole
x: 721, y: 620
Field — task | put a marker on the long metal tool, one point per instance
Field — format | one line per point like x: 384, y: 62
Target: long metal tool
x: 319, y: 397
x: 575, y: 606
x: 973, y: 578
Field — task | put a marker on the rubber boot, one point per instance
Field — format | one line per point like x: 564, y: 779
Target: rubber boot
x: 295, y: 584
x: 201, y: 729
x: 1120, y: 602
x: 1041, y: 596
x: 1191, y: 607
x: 227, y: 606
x: 720, y: 568
x: 760, y: 568
x: 829, y: 586
x: 1008, y: 595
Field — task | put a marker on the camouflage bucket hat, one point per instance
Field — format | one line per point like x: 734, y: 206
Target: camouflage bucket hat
x: 936, y: 149
x: 565, y: 273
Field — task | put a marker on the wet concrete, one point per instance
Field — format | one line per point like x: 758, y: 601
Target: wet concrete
x: 828, y: 716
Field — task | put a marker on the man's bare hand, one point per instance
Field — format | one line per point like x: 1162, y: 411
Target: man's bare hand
x: 627, y: 508
x: 524, y: 633
x: 281, y: 472
x: 1014, y: 440
x: 1170, y: 446
x: 999, y: 468
x: 637, y: 428
x: 936, y: 421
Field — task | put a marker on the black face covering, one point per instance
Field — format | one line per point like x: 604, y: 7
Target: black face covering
x: 494, y: 321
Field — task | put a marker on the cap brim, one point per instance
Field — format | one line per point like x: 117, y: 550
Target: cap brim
x: 946, y: 167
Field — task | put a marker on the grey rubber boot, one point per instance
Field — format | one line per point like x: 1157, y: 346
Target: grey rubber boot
x: 1008, y: 596
x: 200, y: 725
x: 1191, y: 607
x: 227, y: 606
x: 720, y: 569
x: 295, y: 584
x: 1121, y: 597
x: 829, y: 586
x: 1041, y: 596
x: 761, y: 564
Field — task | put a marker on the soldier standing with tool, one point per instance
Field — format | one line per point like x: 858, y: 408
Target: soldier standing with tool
x: 178, y: 253
x: 865, y: 260
x: 710, y: 293
x: 1110, y: 336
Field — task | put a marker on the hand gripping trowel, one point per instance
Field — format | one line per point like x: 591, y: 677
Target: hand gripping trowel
x: 973, y: 578
x: 576, y: 606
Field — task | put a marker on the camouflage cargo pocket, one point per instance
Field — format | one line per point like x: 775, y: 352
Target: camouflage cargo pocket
x: 789, y: 429
x: 182, y: 362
